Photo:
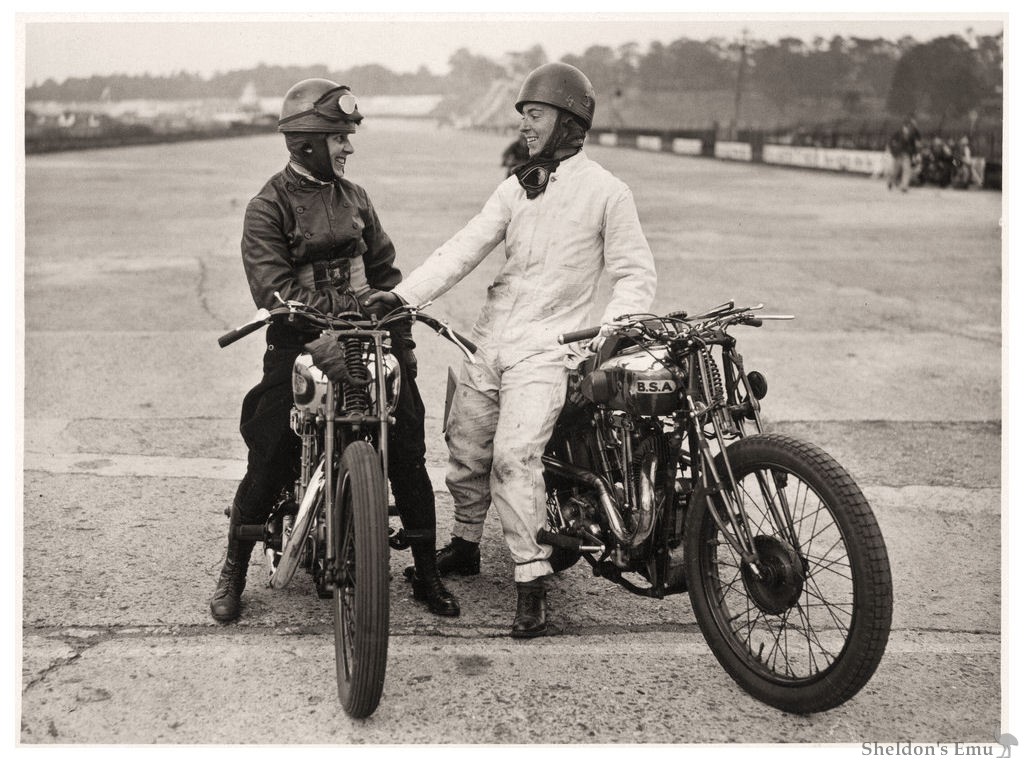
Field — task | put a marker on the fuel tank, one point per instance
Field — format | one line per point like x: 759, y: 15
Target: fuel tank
x: 637, y: 380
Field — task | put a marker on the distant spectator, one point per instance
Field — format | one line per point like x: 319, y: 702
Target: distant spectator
x: 964, y: 172
x: 515, y: 155
x: 937, y: 163
x: 904, y: 147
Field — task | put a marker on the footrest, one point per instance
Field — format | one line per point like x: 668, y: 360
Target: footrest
x: 562, y: 541
x: 397, y: 539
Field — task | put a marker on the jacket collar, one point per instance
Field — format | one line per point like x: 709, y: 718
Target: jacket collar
x: 299, y: 174
x: 572, y: 163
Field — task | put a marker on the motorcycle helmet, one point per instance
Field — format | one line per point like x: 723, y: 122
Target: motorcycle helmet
x: 562, y: 86
x: 319, y: 105
x: 314, y: 109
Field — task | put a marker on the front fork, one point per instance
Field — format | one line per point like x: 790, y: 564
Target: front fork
x: 342, y: 427
x: 732, y: 520
x: 317, y: 489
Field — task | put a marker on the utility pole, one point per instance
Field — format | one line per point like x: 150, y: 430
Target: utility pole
x: 739, y: 86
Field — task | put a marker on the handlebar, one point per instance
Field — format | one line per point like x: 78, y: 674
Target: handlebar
x: 349, y: 320
x: 445, y: 331
x: 576, y: 335
x: 238, y: 333
x: 678, y: 322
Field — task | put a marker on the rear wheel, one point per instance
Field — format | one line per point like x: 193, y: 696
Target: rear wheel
x: 360, y: 601
x: 805, y: 628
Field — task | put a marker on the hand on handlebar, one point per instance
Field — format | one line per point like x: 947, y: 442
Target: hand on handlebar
x: 381, y: 302
x: 607, y: 328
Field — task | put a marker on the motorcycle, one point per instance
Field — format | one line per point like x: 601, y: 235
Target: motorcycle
x: 660, y: 475
x: 334, y: 521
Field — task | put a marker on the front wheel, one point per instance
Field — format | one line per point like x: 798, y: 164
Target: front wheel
x: 360, y: 601
x: 804, y: 626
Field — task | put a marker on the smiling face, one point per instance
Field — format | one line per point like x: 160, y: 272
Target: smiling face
x: 339, y: 148
x: 538, y: 122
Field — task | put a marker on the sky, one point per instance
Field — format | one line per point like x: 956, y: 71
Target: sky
x: 59, y: 45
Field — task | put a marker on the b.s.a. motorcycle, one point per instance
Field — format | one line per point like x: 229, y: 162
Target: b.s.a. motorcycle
x: 661, y: 476
x: 334, y: 521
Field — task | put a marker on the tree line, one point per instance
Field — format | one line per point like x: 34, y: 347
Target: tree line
x: 947, y: 77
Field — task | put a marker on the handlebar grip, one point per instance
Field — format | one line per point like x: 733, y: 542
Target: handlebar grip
x: 585, y: 334
x: 443, y: 329
x: 464, y: 341
x: 238, y: 333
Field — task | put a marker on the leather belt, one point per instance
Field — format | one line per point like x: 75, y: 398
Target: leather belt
x: 328, y: 273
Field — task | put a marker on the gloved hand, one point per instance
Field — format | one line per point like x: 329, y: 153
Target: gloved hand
x: 345, y: 303
x: 329, y: 356
x: 381, y: 302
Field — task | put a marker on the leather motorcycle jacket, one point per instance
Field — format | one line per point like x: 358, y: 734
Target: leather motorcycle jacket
x: 316, y: 242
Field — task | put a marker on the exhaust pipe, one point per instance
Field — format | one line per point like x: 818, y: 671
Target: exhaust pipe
x: 609, y: 503
x: 294, y: 543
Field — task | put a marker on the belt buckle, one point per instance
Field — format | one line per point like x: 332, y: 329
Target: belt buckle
x: 335, y: 273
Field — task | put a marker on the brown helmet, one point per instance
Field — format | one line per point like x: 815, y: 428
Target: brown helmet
x: 319, y: 105
x: 562, y: 86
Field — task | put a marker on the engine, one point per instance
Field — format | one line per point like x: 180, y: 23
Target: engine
x: 309, y: 383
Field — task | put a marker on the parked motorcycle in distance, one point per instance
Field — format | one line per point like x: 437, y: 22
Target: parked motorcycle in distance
x: 334, y: 522
x: 660, y: 475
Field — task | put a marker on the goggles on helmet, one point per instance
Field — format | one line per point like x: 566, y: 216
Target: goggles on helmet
x: 336, y: 105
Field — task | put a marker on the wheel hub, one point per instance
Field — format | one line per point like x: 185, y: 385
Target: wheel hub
x: 781, y: 579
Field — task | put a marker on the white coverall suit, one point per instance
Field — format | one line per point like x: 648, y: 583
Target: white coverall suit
x: 504, y: 410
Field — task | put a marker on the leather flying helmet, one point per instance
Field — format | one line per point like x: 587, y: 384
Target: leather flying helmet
x: 319, y: 105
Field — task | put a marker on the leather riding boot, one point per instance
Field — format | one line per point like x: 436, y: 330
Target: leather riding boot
x: 531, y: 609
x: 426, y: 583
x: 226, y: 602
x: 459, y: 556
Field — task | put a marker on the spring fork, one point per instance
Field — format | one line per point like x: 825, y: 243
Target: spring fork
x: 356, y: 399
x: 740, y: 531
x: 734, y: 377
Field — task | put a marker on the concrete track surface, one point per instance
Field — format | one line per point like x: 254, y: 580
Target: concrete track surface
x: 131, y: 453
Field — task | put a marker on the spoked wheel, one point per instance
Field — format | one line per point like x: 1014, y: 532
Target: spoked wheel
x: 360, y: 601
x: 805, y: 628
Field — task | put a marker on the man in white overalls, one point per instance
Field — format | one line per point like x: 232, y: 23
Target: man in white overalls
x: 564, y: 221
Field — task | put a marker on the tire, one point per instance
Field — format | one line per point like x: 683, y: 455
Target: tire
x: 360, y: 600
x: 809, y: 633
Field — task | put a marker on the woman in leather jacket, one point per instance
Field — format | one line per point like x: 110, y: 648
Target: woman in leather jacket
x: 313, y: 236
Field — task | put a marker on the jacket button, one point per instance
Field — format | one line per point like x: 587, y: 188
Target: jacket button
x: 290, y: 187
x: 308, y: 235
x: 355, y: 225
x: 346, y: 204
x: 300, y: 209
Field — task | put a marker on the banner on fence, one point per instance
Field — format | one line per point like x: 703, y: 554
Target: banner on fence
x: 687, y: 146
x: 834, y: 159
x: 648, y: 142
x: 734, y: 151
